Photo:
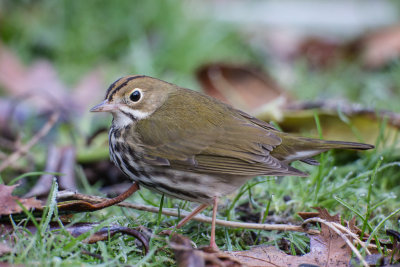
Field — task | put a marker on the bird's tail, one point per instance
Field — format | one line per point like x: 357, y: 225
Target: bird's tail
x: 328, y: 144
x: 301, y: 148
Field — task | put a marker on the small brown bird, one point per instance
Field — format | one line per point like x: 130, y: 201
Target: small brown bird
x: 190, y: 146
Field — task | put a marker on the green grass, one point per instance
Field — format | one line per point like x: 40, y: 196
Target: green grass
x: 157, y: 38
x: 361, y: 193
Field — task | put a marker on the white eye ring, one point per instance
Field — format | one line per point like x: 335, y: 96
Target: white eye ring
x: 136, y: 95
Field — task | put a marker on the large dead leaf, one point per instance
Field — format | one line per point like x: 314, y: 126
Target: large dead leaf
x: 8, y: 202
x: 245, y: 87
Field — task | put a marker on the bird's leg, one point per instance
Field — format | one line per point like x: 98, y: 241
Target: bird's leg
x: 191, y: 215
x: 213, y: 245
x: 112, y: 201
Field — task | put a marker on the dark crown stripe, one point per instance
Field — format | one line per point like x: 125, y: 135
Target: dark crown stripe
x: 112, y: 87
x: 111, y: 91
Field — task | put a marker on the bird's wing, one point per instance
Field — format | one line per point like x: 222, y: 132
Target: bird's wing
x: 212, y: 139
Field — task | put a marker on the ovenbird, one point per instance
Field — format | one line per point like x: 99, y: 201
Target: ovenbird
x: 190, y: 146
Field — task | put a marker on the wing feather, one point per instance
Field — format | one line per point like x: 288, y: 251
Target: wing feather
x: 206, y: 136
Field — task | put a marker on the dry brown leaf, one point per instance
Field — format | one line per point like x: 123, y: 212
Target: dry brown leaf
x: 326, y: 249
x: 8, y: 202
x: 244, y: 87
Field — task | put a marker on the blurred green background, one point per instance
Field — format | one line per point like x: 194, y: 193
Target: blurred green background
x: 157, y: 38
x: 171, y: 39
x: 164, y: 39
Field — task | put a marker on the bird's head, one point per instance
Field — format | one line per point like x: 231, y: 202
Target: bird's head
x: 134, y: 98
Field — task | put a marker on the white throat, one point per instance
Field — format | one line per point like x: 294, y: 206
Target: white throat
x: 126, y: 116
x: 121, y: 120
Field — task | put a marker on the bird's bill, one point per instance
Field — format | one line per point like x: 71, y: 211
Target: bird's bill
x: 104, y: 106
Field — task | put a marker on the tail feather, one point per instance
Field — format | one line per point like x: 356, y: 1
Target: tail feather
x: 343, y: 145
x: 300, y: 148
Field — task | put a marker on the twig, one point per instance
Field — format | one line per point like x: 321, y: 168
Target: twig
x: 333, y: 226
x: 25, y: 148
x: 353, y: 235
x: 199, y: 218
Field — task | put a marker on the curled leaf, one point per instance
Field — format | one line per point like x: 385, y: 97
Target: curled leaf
x: 9, y: 203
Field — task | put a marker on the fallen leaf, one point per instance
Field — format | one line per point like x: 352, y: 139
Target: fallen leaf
x: 326, y: 249
x: 268, y: 256
x: 8, y: 202
x: 244, y: 87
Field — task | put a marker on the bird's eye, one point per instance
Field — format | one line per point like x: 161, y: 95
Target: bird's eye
x: 135, y: 96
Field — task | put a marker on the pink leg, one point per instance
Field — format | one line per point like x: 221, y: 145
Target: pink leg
x: 213, y: 245
x: 191, y: 215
